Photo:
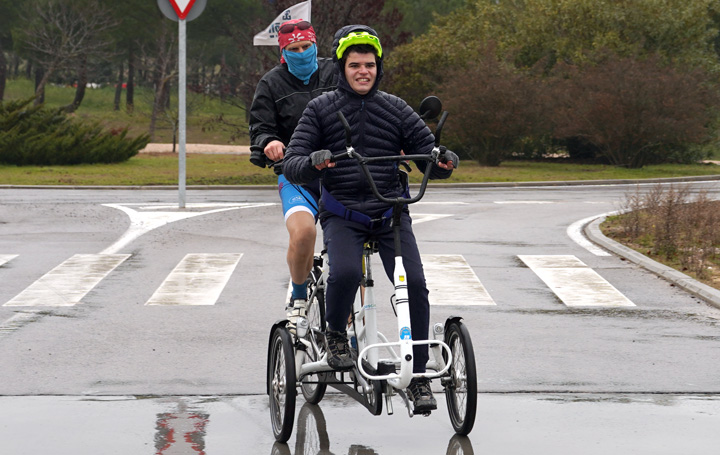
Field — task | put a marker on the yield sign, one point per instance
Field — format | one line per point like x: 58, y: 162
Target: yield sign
x: 182, y: 7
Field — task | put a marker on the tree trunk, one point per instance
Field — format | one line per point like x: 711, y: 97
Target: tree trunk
x: 118, y: 87
x: 82, y: 81
x: 41, y: 78
x: 16, y: 66
x: 130, y: 93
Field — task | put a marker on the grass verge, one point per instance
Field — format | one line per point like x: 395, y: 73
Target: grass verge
x: 673, y: 227
x: 216, y: 169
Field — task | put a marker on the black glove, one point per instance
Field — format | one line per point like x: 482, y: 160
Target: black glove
x: 448, y: 155
x: 319, y: 156
x: 257, y: 156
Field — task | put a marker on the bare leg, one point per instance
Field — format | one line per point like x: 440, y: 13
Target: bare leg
x: 301, y: 248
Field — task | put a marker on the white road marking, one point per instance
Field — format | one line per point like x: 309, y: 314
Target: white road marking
x: 67, y: 284
x: 523, y: 202
x: 5, y: 258
x: 574, y: 231
x: 418, y: 218
x: 576, y: 284
x: 451, y: 281
x: 197, y: 280
x: 146, y: 217
x: 440, y: 203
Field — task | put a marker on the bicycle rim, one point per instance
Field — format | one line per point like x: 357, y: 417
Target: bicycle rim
x: 461, y: 392
x: 282, y: 384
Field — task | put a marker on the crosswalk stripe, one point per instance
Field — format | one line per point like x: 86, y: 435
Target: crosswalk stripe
x: 5, y: 258
x: 69, y: 282
x: 451, y: 281
x: 198, y: 279
x: 423, y: 217
x: 576, y: 284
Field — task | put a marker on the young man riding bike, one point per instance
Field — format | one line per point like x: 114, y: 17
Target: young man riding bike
x: 381, y: 124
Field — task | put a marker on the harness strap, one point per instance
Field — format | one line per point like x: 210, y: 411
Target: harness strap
x: 335, y: 207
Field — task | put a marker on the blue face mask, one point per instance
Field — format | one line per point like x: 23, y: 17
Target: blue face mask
x: 302, y: 65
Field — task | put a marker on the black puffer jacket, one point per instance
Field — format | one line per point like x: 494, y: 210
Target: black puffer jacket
x: 280, y: 99
x: 381, y: 124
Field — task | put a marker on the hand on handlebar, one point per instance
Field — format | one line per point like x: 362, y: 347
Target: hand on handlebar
x: 275, y: 150
x: 448, y: 159
x: 321, y: 159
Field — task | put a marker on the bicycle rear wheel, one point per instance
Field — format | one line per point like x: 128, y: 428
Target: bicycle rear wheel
x: 281, y: 384
x: 311, y: 386
x: 461, y: 387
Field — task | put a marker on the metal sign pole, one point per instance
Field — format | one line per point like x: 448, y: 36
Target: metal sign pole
x: 182, y: 69
x: 182, y: 11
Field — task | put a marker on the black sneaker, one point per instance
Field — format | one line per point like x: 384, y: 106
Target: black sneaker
x: 338, y: 352
x: 421, y: 395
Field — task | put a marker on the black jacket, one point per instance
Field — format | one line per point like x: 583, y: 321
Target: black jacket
x: 280, y: 99
x: 381, y: 124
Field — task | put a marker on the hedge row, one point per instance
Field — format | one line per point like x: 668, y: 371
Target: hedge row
x: 40, y: 136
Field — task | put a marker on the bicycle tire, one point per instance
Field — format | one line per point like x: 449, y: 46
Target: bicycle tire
x: 311, y: 386
x: 461, y: 389
x: 374, y: 398
x: 281, y: 384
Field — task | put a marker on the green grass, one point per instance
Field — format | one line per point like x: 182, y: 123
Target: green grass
x: 98, y: 105
x: 162, y: 169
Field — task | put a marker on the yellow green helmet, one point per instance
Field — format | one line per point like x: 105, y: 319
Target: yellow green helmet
x: 354, y: 38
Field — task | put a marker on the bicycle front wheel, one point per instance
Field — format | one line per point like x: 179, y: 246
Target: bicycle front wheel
x: 461, y: 388
x: 281, y: 384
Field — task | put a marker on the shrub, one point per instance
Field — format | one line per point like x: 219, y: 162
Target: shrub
x: 673, y: 226
x: 635, y: 111
x: 496, y: 109
x: 36, y: 135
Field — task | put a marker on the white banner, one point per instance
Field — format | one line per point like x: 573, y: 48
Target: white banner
x: 268, y: 37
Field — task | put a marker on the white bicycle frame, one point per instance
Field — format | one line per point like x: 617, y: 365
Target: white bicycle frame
x: 371, y: 342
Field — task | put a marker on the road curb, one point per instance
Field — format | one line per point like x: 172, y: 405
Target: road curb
x: 698, y: 289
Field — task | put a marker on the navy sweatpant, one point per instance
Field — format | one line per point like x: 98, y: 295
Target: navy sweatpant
x: 344, y: 240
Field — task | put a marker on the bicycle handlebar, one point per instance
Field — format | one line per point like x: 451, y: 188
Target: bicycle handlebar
x: 433, y: 158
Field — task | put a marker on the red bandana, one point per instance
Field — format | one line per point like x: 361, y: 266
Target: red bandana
x: 296, y: 35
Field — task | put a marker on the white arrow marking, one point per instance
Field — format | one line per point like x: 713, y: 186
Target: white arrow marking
x: 144, y: 218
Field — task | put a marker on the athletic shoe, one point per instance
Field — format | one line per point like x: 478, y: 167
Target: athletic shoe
x: 297, y: 317
x: 421, y: 395
x: 338, y: 351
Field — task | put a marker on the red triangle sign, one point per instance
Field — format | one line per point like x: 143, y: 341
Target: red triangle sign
x: 182, y: 7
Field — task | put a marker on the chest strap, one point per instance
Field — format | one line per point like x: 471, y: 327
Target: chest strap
x: 335, y: 207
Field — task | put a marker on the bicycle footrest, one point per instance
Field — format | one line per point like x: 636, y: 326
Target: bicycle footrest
x: 392, y: 375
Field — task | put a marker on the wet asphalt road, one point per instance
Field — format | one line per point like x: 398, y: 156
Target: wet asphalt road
x: 111, y: 375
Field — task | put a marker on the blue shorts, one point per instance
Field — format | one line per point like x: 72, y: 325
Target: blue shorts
x: 295, y: 198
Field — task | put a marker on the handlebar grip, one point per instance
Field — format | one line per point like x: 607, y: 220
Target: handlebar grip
x: 257, y: 156
x: 341, y: 156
